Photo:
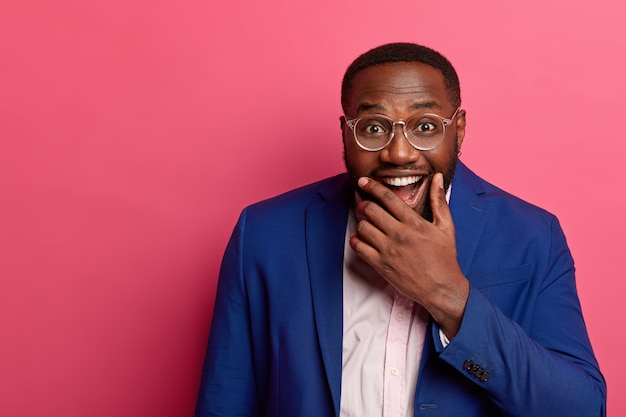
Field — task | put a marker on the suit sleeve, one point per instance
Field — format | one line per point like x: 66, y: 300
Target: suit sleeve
x: 547, y: 368
x: 228, y: 386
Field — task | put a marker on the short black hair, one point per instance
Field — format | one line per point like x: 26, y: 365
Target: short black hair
x: 403, y: 52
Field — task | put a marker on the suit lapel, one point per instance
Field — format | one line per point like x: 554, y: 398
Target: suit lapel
x: 325, y: 232
x: 469, y: 213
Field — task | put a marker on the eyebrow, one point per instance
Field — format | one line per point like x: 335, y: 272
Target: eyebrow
x: 415, y: 106
x: 425, y: 105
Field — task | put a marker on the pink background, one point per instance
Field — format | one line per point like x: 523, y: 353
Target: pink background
x: 133, y: 133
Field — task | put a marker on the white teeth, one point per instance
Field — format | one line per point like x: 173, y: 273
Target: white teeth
x: 402, y: 181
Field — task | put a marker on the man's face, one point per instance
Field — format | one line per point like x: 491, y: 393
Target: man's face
x: 399, y: 91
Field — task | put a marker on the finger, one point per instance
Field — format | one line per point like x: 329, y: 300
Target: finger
x: 384, y: 196
x: 438, y: 203
x: 370, y: 234
x: 376, y: 215
x: 364, y: 250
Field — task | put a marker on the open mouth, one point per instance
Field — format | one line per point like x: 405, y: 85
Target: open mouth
x: 407, y: 188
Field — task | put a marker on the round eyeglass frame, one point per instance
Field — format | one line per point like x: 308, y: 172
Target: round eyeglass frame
x: 446, y: 122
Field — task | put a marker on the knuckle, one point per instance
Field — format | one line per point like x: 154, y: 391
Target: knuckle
x: 369, y: 208
x: 399, y: 235
x: 387, y: 194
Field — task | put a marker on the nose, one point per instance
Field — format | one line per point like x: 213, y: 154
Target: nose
x: 399, y: 151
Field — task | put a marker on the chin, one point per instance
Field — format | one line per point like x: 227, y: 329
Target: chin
x: 424, y: 209
x: 426, y: 212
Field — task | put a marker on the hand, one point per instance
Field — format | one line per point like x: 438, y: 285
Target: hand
x: 416, y: 257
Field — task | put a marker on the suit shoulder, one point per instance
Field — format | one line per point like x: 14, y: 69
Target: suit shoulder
x: 515, y: 202
x: 299, y: 198
x: 506, y: 204
x: 279, y: 223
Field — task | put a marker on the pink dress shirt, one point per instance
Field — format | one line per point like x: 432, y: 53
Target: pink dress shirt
x: 383, y: 338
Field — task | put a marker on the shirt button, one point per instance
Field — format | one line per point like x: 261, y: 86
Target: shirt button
x: 394, y: 371
x: 400, y: 317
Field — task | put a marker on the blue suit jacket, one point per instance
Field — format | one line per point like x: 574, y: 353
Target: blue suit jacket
x: 276, y: 337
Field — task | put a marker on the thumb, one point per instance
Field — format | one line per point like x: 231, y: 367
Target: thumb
x: 438, y: 203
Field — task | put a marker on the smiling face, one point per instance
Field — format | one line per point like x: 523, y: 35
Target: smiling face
x: 399, y: 91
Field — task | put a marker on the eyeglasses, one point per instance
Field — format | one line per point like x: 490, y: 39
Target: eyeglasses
x: 424, y: 132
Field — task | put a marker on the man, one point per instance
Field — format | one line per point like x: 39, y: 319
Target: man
x: 408, y: 286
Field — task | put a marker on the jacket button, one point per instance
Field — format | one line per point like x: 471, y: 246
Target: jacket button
x: 476, y: 370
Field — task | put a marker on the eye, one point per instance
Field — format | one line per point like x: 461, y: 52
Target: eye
x: 372, y: 127
x: 425, y: 127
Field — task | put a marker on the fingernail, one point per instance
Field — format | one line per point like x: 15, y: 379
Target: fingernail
x: 363, y: 181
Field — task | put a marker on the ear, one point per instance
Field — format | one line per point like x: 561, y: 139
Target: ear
x: 342, y: 125
x: 460, y: 127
